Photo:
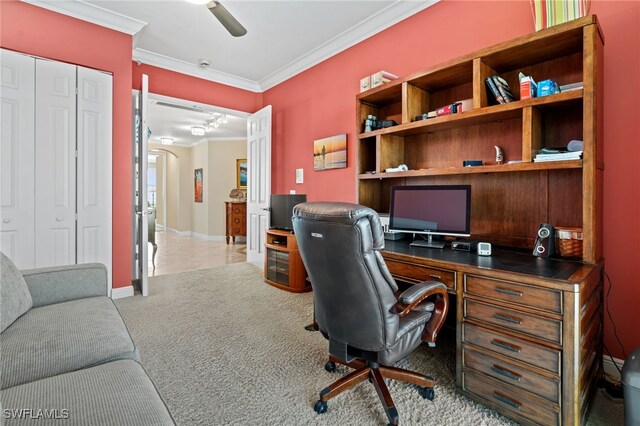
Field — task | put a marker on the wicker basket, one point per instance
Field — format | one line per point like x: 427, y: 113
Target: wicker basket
x: 569, y: 242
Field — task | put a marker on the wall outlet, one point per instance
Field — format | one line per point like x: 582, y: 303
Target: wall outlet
x: 292, y: 191
x: 299, y: 175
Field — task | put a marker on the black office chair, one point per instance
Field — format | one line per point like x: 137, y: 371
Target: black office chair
x: 357, y: 306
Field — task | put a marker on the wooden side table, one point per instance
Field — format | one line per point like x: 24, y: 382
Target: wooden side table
x: 283, y: 267
x: 236, y: 220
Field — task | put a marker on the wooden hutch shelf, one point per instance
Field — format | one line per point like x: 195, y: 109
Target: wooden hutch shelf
x: 496, y: 168
x: 548, y: 323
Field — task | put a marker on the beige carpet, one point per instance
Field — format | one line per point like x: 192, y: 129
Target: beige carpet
x: 223, y: 347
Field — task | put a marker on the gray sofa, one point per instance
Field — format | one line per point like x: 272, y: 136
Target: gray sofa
x: 66, y: 356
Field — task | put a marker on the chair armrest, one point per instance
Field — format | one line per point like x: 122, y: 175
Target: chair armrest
x: 416, y: 294
x: 63, y: 283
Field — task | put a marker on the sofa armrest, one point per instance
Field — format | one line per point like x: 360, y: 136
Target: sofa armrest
x: 63, y: 283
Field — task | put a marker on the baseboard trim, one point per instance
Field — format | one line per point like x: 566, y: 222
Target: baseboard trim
x: 610, y: 369
x: 206, y: 237
x: 179, y: 233
x: 121, y: 292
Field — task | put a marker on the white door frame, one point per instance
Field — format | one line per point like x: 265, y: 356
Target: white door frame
x: 258, y: 183
x: 189, y: 104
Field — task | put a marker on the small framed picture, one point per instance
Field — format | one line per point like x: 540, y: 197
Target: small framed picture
x: 330, y: 153
x: 198, y: 185
x: 241, y: 173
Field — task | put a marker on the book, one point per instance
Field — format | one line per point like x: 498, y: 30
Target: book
x: 493, y: 90
x: 528, y: 87
x: 365, y: 83
x: 560, y: 156
x: 503, y: 88
x: 571, y: 86
x: 381, y: 77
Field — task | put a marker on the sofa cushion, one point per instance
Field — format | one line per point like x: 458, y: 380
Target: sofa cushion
x: 15, y: 298
x: 115, y: 393
x: 63, y: 337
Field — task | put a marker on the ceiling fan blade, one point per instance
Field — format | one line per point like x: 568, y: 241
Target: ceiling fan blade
x: 226, y: 19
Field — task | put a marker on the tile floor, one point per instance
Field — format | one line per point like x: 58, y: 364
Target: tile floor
x: 179, y: 254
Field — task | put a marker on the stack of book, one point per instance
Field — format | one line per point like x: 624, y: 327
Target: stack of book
x: 376, y: 79
x: 499, y: 89
x: 556, y: 154
x: 381, y: 77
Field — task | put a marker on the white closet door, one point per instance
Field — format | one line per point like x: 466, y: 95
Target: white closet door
x: 16, y: 157
x: 55, y: 186
x: 94, y: 166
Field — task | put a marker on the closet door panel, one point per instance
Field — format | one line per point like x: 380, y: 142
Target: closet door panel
x: 55, y: 164
x: 94, y: 166
x: 17, y: 92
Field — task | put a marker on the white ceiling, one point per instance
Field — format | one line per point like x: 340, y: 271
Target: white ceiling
x: 174, y: 119
x: 283, y: 37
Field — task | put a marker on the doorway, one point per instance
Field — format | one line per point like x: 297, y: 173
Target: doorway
x: 190, y: 141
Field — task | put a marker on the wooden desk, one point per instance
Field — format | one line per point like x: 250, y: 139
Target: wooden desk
x: 528, y: 329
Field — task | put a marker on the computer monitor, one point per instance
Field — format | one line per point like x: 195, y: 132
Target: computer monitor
x: 282, y: 209
x: 431, y: 210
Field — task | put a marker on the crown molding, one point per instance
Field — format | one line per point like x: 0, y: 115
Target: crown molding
x: 92, y: 13
x: 155, y: 59
x: 382, y: 20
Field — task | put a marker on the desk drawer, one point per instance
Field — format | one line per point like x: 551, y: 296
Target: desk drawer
x: 539, y: 356
x: 535, y: 297
x: 419, y: 273
x: 533, y: 325
x: 513, y: 374
x: 511, y: 400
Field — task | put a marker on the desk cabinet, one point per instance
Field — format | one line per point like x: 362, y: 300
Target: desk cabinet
x: 529, y: 330
x: 531, y: 350
x: 236, y: 220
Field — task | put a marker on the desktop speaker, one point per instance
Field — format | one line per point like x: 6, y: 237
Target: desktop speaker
x: 545, y: 241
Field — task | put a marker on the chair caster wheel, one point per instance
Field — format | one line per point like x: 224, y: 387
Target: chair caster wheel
x: 428, y: 393
x: 320, y: 407
x: 330, y: 366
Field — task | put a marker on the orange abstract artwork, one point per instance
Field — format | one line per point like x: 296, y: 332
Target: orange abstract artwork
x: 199, y: 185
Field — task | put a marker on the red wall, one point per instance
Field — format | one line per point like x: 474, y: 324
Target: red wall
x: 37, y: 31
x: 181, y: 86
x: 321, y: 102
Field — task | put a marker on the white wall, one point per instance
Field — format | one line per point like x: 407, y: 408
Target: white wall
x: 218, y: 161
x: 222, y: 167
x: 200, y: 211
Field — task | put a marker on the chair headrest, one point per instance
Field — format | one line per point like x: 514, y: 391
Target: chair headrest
x: 344, y: 213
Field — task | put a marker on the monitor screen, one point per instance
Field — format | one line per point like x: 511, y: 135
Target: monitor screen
x: 437, y: 209
x: 282, y: 209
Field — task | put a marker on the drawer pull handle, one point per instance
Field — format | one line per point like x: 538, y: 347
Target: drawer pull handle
x: 505, y: 372
x: 505, y: 345
x: 503, y: 398
x: 508, y: 318
x: 508, y: 291
x: 434, y: 276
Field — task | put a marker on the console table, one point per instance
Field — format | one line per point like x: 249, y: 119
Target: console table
x: 283, y: 267
x: 236, y: 220
x: 527, y: 329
